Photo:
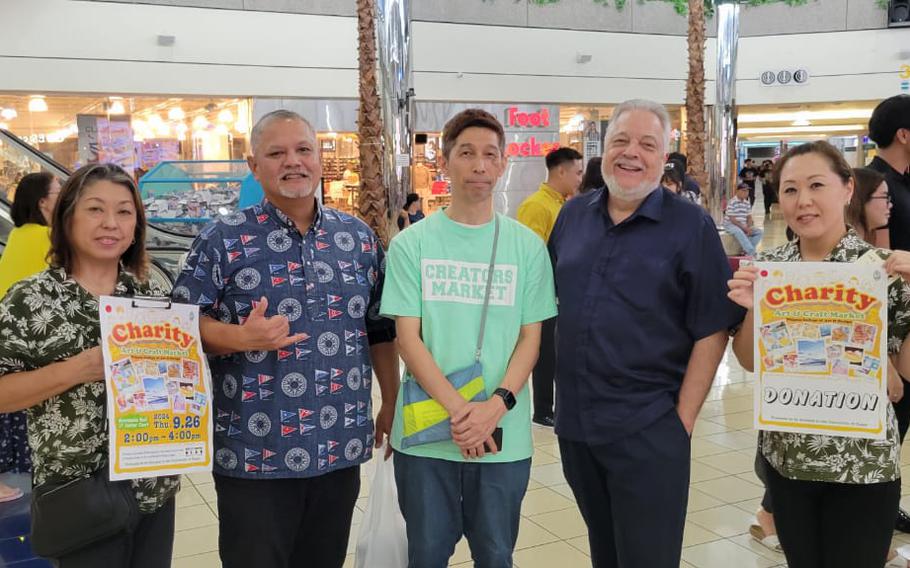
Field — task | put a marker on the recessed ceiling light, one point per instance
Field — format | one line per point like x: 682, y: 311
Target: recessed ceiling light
x: 36, y: 103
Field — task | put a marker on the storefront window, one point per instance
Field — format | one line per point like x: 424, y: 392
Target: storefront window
x: 340, y: 153
x: 135, y: 132
x: 427, y: 178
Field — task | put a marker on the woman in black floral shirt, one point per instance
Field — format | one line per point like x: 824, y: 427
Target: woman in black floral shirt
x: 835, y: 499
x: 51, y: 362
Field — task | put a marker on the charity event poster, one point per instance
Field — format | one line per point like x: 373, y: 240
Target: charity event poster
x: 821, y: 357
x: 158, y: 388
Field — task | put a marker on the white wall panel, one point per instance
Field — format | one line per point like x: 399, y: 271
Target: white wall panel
x: 80, y: 46
x: 214, y: 50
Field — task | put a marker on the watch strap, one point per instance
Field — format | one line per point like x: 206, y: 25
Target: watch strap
x: 507, y: 397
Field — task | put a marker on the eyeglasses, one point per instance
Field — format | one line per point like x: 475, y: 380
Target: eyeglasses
x: 888, y: 197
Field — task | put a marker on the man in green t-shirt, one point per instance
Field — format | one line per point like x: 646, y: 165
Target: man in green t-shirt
x: 436, y: 284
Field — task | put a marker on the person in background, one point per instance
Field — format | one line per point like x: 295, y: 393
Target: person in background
x: 539, y: 212
x: 738, y: 220
x: 55, y: 369
x: 870, y: 207
x: 835, y: 499
x: 673, y: 180
x: 689, y: 183
x: 889, y: 128
x: 593, y: 178
x: 25, y: 254
x: 748, y: 175
x: 28, y: 244
x: 411, y: 212
x: 868, y: 214
x: 768, y: 190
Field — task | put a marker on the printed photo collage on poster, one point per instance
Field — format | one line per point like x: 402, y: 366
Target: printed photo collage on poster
x: 844, y: 349
x: 155, y: 386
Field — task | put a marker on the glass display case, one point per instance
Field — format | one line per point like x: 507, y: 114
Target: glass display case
x: 183, y: 196
x: 17, y: 158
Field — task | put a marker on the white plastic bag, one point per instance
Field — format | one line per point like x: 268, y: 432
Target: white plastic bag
x: 382, y: 541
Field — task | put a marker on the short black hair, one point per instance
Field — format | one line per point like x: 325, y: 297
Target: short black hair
x: 411, y: 198
x: 562, y: 155
x: 889, y: 116
x: 679, y: 157
x: 470, y: 118
x: 31, y: 190
x: 593, y: 177
x: 673, y: 173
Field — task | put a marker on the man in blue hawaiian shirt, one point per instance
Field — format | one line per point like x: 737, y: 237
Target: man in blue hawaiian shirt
x: 291, y: 292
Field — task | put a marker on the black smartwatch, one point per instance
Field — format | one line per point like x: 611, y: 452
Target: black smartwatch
x: 507, y: 397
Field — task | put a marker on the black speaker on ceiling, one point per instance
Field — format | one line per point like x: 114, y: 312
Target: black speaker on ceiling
x: 899, y: 13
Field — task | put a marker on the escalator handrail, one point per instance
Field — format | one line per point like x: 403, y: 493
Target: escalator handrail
x: 40, y: 156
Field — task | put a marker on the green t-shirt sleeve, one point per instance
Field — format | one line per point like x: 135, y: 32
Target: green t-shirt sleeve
x: 401, y: 294
x: 538, y: 296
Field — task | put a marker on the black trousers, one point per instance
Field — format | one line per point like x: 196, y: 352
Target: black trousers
x: 770, y: 197
x: 902, y: 411
x: 760, y: 472
x: 148, y: 546
x: 544, y: 375
x: 632, y: 494
x: 833, y: 525
x: 285, y: 523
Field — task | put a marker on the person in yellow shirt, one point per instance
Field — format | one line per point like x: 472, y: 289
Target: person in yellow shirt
x: 539, y: 211
x: 26, y: 249
x: 25, y: 254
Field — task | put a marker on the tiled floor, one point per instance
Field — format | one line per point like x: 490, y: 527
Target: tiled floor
x: 723, y: 496
x: 724, y: 492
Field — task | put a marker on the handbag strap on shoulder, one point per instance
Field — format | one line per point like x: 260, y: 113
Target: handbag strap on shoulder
x: 486, y: 298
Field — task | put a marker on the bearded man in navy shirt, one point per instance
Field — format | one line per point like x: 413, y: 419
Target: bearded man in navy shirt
x: 643, y: 323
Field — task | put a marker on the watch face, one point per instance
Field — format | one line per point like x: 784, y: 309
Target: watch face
x: 507, y: 397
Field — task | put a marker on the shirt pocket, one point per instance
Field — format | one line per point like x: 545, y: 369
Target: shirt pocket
x: 643, y: 282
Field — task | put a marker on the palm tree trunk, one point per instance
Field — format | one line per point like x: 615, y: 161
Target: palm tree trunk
x: 695, y: 94
x: 372, y: 204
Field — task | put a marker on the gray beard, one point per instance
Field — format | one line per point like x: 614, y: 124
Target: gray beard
x: 637, y: 193
x: 289, y: 194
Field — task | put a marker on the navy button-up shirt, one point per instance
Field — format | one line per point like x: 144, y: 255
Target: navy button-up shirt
x: 304, y: 410
x: 633, y: 300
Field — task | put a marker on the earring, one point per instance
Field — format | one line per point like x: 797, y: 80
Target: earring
x: 133, y: 241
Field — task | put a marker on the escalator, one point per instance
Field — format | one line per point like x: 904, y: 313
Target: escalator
x: 17, y: 158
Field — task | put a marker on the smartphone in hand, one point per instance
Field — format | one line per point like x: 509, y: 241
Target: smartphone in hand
x: 497, y: 439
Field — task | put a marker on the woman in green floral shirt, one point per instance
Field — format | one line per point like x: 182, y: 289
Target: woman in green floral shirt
x: 51, y: 362
x: 835, y: 498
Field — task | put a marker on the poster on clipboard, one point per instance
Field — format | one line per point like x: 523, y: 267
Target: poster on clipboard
x: 158, y: 388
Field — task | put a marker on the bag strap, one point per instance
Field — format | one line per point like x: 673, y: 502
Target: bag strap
x: 486, y: 298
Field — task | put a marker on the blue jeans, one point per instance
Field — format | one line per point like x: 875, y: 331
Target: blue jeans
x: 441, y: 500
x: 748, y: 242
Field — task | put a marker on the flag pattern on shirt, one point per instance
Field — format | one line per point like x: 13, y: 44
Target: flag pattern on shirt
x: 305, y: 409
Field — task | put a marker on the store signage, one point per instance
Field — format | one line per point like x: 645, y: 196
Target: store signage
x: 530, y: 149
x: 34, y: 139
x: 518, y: 119
x: 784, y: 78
